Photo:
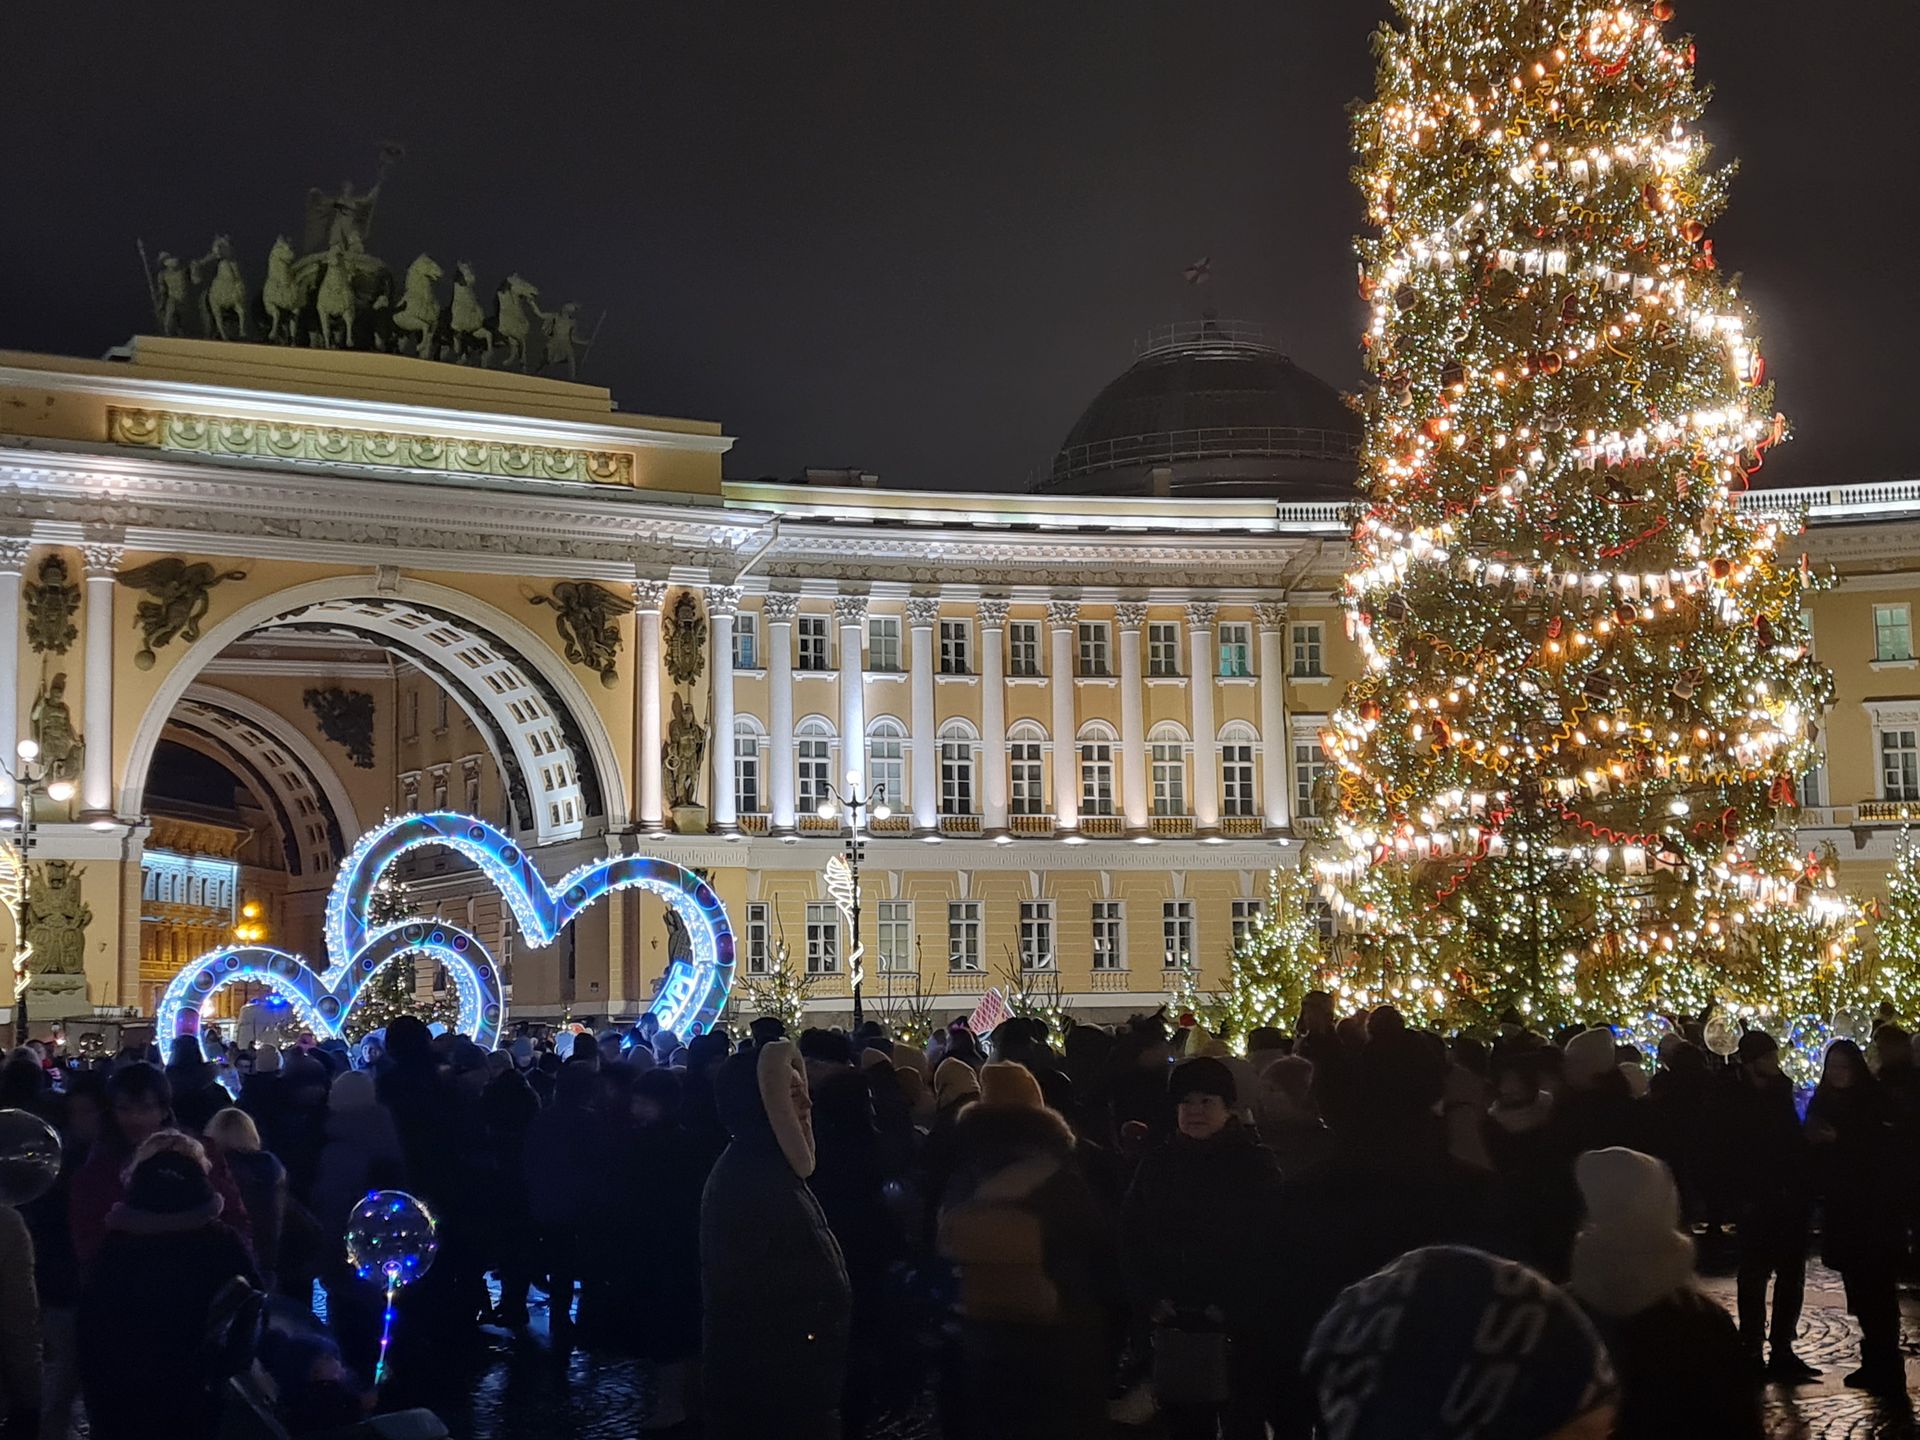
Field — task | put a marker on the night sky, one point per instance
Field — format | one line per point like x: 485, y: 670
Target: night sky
x: 880, y: 233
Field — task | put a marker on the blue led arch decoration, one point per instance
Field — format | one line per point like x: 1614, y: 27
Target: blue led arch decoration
x: 690, y: 999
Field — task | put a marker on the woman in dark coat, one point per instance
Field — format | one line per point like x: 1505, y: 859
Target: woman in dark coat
x: 774, y: 1292
x: 197, y: 1095
x: 144, y: 1310
x: 1850, y: 1127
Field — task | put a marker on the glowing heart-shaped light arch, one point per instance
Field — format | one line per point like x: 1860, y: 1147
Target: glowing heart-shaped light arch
x: 690, y: 999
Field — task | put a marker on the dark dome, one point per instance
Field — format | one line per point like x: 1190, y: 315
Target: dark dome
x: 1209, y: 409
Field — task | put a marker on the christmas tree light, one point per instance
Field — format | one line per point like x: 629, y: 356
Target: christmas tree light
x: 1271, y: 969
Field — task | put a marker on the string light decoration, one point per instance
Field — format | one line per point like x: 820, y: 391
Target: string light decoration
x: 1272, y: 968
x: 1896, y: 932
x: 393, y: 990
x: 1565, y: 780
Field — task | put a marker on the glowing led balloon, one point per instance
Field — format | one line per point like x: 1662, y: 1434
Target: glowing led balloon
x: 1722, y: 1035
x: 29, y: 1157
x: 390, y: 1240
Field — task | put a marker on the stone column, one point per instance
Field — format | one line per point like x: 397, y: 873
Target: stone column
x: 649, y: 806
x: 723, y: 603
x: 1206, y: 756
x: 13, y: 565
x: 96, y: 779
x: 1276, y: 744
x: 1062, y: 617
x: 923, y: 613
x: 1136, y: 800
x: 851, y: 613
x: 993, y: 713
x: 779, y: 610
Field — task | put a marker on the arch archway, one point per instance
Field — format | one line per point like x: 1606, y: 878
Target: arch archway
x: 560, y: 756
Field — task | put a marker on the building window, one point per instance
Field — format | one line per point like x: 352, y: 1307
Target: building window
x: 813, y: 762
x: 1900, y: 764
x: 439, y: 712
x: 956, y: 777
x: 1246, y: 920
x: 759, y: 938
x: 887, y: 763
x: 440, y: 788
x: 1309, y: 767
x: 1094, y: 649
x: 1811, y: 792
x: 470, y: 779
x: 883, y: 643
x: 413, y: 715
x: 1169, y: 777
x: 1176, y: 934
x: 823, y: 940
x: 1324, y: 923
x: 1109, y: 941
x: 1096, y: 778
x: 956, y: 648
x: 1028, y: 793
x: 1308, y: 640
x: 1236, y: 648
x: 813, y: 642
x: 894, y: 939
x: 1163, y: 648
x: 1236, y: 780
x: 746, y: 642
x: 746, y: 771
x: 963, y: 935
x: 1892, y: 632
x: 1036, y: 935
x: 1023, y: 647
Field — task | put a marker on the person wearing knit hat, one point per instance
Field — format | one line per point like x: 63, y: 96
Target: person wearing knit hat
x: 1004, y: 1083
x: 1589, y: 1055
x: 954, y: 1084
x: 1681, y: 1369
x: 1449, y: 1343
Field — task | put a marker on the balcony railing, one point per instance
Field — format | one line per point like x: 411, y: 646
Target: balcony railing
x: 1173, y: 827
x: 967, y: 982
x: 1109, y: 982
x: 1240, y: 826
x: 1100, y: 827
x: 1030, y: 824
x: 757, y: 824
x: 817, y: 824
x: 959, y: 824
x: 1887, y: 812
x: 892, y: 825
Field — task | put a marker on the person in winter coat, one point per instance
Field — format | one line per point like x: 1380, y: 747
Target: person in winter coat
x: 1200, y: 1236
x: 1850, y: 1127
x: 19, y: 1328
x: 1034, y: 1256
x: 1771, y: 1179
x: 775, y: 1301
x: 1596, y: 1108
x: 360, y: 1153
x: 1677, y: 1354
x: 197, y: 1094
x: 1535, y: 1204
x: 145, y: 1307
x: 262, y: 1181
x: 509, y: 1107
x: 565, y: 1149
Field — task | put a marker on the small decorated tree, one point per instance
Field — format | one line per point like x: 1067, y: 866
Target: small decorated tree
x: 393, y: 989
x: 782, y: 992
x: 1274, y: 965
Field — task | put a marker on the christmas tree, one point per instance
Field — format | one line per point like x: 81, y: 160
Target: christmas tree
x: 1566, y: 778
x: 1896, y: 935
x: 781, y: 992
x: 1270, y: 971
x: 391, y: 991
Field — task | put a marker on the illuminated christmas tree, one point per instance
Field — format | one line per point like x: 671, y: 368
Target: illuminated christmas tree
x: 1896, y: 935
x: 392, y: 991
x: 1566, y: 779
x: 781, y: 992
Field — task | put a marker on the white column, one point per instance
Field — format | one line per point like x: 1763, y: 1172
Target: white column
x: 1135, y: 798
x: 649, y: 803
x: 1276, y: 744
x: 1206, y: 756
x: 1062, y: 617
x: 851, y: 612
x: 13, y: 564
x: 779, y: 611
x: 922, y: 614
x: 723, y: 602
x: 993, y: 712
x: 96, y: 777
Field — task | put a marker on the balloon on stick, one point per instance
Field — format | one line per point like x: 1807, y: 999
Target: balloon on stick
x: 390, y: 1236
x: 29, y: 1157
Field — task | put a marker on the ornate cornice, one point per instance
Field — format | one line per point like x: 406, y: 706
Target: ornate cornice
x: 922, y: 611
x: 850, y: 609
x: 780, y: 606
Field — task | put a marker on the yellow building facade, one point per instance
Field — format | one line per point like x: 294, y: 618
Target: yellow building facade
x: 1094, y: 721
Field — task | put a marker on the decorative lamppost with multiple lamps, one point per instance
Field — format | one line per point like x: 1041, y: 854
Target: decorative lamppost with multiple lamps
x: 30, y: 781
x: 843, y: 872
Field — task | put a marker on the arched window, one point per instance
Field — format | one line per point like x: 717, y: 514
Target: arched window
x: 1096, y: 743
x: 1238, y: 745
x: 1026, y: 769
x: 957, y: 742
x: 813, y: 764
x: 1167, y: 751
x: 887, y: 762
x: 747, y: 741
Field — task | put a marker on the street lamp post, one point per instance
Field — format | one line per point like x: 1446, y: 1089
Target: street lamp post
x: 858, y: 806
x: 30, y: 780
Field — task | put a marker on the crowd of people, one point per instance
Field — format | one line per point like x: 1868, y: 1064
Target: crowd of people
x: 1354, y: 1228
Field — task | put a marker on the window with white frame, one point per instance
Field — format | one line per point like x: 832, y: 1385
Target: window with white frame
x: 759, y: 937
x: 1811, y: 789
x: 413, y: 715
x: 746, y: 641
x: 1023, y: 647
x: 813, y: 765
x: 1309, y: 638
x: 1892, y: 632
x: 823, y: 939
x: 963, y: 935
x: 1235, y: 640
x: 1027, y: 794
x: 1163, y: 647
x: 1324, y: 921
x: 956, y: 771
x: 1899, y: 764
x: 1238, y: 797
x: 1310, y: 766
x: 1094, y: 648
x: 956, y: 647
x: 1167, y: 749
x: 883, y: 644
x: 1036, y: 935
x: 1177, y: 934
x: 1096, y: 775
x: 746, y: 768
x: 440, y: 711
x: 893, y: 939
x: 1246, y: 920
x: 811, y: 631
x: 887, y: 762
x: 1109, y: 938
